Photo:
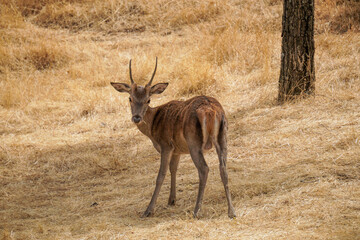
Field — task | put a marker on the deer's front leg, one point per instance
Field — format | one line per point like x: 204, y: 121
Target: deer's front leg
x: 174, y: 162
x: 166, y: 154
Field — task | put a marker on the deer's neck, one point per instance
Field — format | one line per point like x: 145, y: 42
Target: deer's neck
x: 145, y: 125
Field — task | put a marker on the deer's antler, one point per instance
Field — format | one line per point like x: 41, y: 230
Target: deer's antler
x: 152, y: 77
x: 131, y: 79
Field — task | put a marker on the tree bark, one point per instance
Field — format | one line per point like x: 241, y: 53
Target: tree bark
x: 297, y: 73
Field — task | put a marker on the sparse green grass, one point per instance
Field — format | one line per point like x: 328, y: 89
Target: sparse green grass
x: 67, y: 142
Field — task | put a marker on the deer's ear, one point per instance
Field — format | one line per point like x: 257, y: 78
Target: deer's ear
x: 121, y: 87
x: 158, y: 88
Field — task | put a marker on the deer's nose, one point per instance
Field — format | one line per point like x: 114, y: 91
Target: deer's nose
x: 136, y: 119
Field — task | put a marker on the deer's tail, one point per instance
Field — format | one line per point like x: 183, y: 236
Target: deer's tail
x: 210, y: 122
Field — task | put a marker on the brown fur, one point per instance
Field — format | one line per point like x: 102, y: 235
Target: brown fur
x: 180, y: 127
x: 199, y: 122
x: 173, y: 122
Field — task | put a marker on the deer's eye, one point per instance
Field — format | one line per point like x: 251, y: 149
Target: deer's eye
x: 148, y: 101
x: 130, y: 99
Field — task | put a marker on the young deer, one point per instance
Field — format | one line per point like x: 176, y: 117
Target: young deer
x: 180, y: 127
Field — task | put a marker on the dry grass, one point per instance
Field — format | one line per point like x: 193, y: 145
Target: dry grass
x: 72, y: 165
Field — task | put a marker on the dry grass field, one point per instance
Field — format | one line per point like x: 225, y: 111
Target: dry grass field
x: 73, y: 165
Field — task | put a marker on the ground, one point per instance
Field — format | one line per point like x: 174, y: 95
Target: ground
x: 74, y: 166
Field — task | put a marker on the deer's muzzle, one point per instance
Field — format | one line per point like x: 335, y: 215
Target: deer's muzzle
x: 136, y: 119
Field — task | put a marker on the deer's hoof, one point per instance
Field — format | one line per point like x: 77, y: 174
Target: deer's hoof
x: 196, y: 215
x: 171, y: 202
x: 232, y: 214
x: 146, y: 214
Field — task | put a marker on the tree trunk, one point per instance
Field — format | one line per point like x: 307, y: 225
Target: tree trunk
x: 297, y: 73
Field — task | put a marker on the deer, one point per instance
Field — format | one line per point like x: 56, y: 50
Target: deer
x: 179, y: 127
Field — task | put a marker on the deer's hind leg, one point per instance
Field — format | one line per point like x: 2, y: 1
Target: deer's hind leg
x: 221, y: 149
x: 203, y: 170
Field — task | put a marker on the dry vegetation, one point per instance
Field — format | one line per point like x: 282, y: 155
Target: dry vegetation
x: 73, y: 166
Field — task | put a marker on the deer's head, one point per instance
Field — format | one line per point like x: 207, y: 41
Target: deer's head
x: 139, y: 95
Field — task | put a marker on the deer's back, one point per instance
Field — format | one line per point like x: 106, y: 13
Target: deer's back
x: 176, y: 122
